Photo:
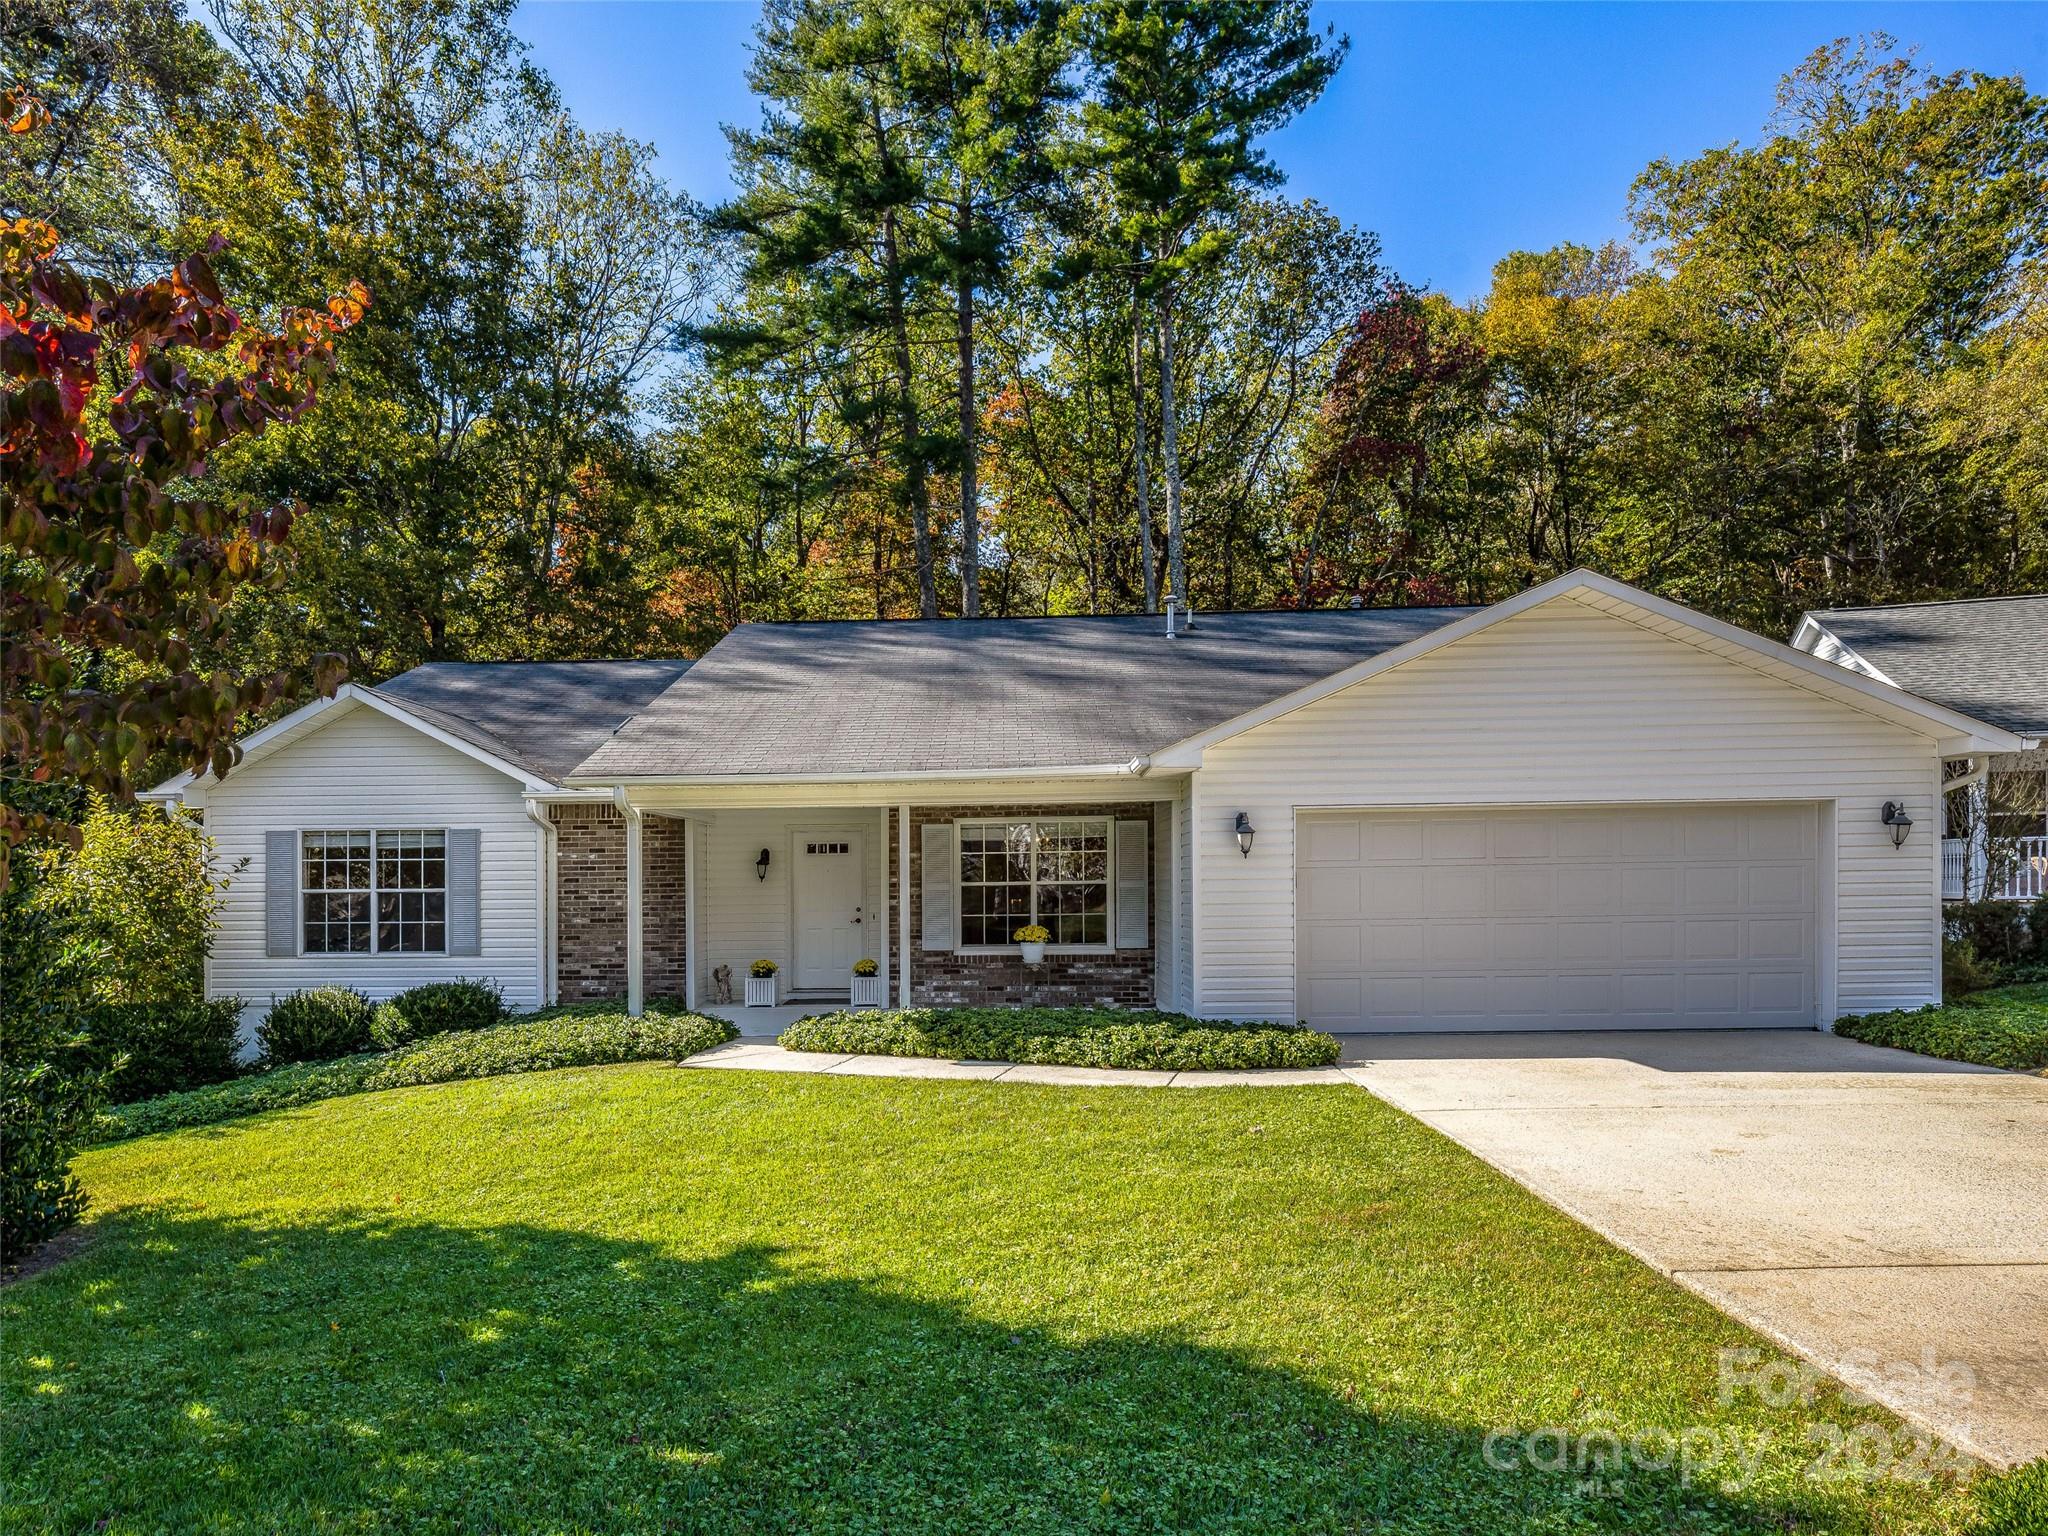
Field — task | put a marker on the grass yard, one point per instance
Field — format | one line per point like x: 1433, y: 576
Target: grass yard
x: 2001, y: 1027
x: 639, y: 1298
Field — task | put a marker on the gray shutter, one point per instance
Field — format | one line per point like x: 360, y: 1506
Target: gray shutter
x: 280, y: 894
x: 465, y: 936
x: 940, y: 881
x: 1133, y: 885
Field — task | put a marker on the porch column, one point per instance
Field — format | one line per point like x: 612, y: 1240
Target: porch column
x: 903, y: 905
x: 692, y: 836
x: 1977, y: 863
x: 636, y: 999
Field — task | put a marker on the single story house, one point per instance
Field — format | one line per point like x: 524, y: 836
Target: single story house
x: 1986, y: 658
x: 1584, y: 807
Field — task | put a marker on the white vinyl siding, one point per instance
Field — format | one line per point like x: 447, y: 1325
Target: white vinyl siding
x: 366, y: 770
x: 1567, y: 705
x: 741, y: 917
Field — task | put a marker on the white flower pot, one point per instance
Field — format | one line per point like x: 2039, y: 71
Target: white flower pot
x: 866, y: 993
x: 1034, y: 954
x: 760, y: 991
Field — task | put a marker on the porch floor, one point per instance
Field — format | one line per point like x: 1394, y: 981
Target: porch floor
x: 766, y: 1023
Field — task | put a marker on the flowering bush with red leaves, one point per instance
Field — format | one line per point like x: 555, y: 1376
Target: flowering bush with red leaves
x: 110, y: 549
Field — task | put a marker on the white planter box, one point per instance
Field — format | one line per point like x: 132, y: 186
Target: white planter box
x: 761, y: 991
x: 1034, y: 954
x: 867, y: 992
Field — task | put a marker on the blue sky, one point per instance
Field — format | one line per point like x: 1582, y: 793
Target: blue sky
x: 1457, y: 132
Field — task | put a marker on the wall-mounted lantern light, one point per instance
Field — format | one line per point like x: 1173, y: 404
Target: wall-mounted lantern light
x: 1894, y: 816
x: 1245, y: 833
x: 761, y: 866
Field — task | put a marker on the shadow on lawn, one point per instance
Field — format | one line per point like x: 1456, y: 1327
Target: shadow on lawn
x: 396, y: 1375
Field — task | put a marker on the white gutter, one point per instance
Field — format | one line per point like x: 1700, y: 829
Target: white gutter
x: 549, y: 863
x: 1969, y: 780
x: 879, y: 776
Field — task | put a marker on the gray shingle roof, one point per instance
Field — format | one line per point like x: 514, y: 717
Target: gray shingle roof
x: 907, y: 696
x: 542, y: 716
x: 1986, y: 657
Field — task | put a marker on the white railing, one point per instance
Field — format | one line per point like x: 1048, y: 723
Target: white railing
x: 2026, y: 880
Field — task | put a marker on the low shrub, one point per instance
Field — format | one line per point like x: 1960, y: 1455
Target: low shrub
x: 316, y: 1025
x: 589, y: 1035
x: 2006, y: 1028
x: 49, y: 1099
x: 1962, y: 971
x: 1996, y: 930
x: 436, y: 1008
x: 1072, y: 1037
x: 168, y: 1047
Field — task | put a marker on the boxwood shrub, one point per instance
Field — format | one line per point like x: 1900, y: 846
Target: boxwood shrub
x: 168, y: 1046
x: 436, y: 1008
x: 316, y: 1025
x: 1071, y: 1037
x: 2007, y: 1027
x: 589, y: 1035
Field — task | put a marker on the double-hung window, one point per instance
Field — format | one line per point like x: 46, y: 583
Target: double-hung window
x: 374, y: 892
x: 1052, y: 873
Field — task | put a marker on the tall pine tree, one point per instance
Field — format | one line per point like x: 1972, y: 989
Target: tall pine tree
x: 1183, y: 89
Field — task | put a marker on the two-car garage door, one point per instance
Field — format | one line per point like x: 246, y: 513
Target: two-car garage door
x: 1634, y: 917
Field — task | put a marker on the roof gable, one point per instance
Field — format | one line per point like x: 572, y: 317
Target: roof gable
x: 1957, y: 732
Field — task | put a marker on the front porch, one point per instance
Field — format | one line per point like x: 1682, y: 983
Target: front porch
x: 656, y: 898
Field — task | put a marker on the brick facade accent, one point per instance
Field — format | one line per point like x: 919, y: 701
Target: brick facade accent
x: 1122, y: 978
x: 590, y: 903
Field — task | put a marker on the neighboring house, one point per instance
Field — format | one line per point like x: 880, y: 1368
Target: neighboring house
x: 1987, y: 658
x: 1583, y: 807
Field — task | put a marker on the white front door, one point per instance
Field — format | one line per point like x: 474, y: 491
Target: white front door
x: 829, y: 920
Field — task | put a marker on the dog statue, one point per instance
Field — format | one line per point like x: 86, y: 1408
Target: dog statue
x: 721, y: 984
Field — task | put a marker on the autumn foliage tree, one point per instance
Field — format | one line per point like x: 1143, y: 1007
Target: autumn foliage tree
x: 117, y: 566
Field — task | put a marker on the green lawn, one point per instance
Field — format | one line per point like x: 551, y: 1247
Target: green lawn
x: 642, y: 1298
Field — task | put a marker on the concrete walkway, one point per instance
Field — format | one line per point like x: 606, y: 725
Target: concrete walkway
x: 766, y: 1056
x: 1882, y: 1214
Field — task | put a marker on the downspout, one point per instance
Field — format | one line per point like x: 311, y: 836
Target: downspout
x: 536, y: 813
x: 636, y: 1001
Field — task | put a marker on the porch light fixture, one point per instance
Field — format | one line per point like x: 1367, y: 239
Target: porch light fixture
x: 1245, y: 833
x: 1894, y: 816
x: 761, y: 866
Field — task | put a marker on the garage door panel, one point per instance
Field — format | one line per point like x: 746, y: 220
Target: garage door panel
x: 1649, y: 888
x: 1531, y: 890
x: 1336, y: 842
x: 1588, y: 890
x: 1587, y: 918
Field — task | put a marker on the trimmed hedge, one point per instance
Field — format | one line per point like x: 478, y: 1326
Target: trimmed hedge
x: 170, y: 1046
x: 317, y: 1024
x: 588, y: 1035
x: 436, y: 1008
x: 1066, y: 1037
x: 2006, y: 1028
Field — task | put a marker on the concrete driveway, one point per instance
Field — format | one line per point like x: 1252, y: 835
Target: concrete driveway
x: 1882, y: 1214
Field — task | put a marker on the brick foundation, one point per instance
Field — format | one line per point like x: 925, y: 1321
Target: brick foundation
x: 590, y: 903
x: 1122, y: 978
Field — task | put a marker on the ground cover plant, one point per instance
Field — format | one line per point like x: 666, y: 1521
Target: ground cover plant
x: 2003, y: 1027
x: 636, y: 1299
x: 581, y: 1035
x: 1074, y: 1037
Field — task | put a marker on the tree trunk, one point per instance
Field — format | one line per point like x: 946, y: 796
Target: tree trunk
x: 963, y: 343
x: 1169, y: 451
x: 917, y: 492
x: 1148, y: 557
